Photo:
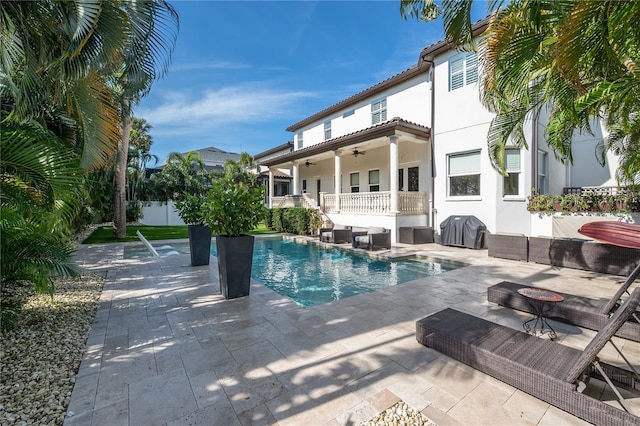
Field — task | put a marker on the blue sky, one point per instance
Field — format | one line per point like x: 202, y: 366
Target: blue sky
x: 243, y: 71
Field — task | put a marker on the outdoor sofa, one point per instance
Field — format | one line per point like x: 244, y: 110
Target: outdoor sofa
x: 545, y: 369
x: 372, y: 239
x: 338, y: 234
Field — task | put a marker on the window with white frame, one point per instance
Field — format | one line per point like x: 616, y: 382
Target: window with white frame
x: 299, y: 140
x: 511, y: 182
x: 543, y: 178
x: 374, y: 180
x: 463, y: 69
x: 327, y: 129
x: 354, y: 180
x: 379, y: 111
x: 464, y: 174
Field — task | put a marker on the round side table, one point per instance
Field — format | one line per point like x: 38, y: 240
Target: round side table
x: 541, y: 301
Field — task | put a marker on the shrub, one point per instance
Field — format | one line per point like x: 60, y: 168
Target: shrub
x: 276, y: 220
x: 295, y: 220
x: 268, y: 216
x: 544, y: 203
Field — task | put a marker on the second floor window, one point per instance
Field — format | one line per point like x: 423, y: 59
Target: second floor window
x: 463, y: 69
x: 299, y: 140
x: 379, y: 111
x: 327, y: 130
x: 464, y: 174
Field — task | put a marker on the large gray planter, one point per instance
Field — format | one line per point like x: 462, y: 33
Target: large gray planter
x: 199, y: 244
x: 234, y: 265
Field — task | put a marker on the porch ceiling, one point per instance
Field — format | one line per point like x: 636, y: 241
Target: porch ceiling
x: 367, y: 138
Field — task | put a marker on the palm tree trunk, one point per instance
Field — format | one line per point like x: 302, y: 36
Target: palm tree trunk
x: 120, y: 199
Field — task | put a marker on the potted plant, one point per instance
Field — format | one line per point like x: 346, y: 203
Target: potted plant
x: 232, y: 209
x: 190, y: 210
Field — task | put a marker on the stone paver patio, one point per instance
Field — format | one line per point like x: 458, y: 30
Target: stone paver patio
x: 166, y: 348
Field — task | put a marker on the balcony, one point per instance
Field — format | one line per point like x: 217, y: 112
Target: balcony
x: 376, y: 203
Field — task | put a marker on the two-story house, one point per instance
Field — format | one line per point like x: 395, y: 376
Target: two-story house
x: 412, y: 150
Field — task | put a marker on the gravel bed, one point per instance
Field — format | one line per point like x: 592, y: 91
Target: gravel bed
x: 41, y: 356
x: 400, y: 414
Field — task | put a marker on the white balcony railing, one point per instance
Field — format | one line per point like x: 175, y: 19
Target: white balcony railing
x: 409, y: 203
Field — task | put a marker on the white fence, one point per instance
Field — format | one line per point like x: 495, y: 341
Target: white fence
x: 160, y: 214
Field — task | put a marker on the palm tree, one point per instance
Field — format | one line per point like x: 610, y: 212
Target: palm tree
x: 138, y: 158
x: 39, y: 184
x: 578, y: 58
x: 59, y: 114
x: 147, y: 55
x: 180, y: 175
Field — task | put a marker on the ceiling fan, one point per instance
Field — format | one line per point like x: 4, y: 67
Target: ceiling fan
x: 307, y: 163
x: 356, y: 152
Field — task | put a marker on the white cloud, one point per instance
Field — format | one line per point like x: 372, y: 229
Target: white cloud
x: 220, y: 65
x: 215, y: 108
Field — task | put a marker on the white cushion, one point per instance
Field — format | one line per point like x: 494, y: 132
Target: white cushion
x: 376, y: 230
x: 362, y: 238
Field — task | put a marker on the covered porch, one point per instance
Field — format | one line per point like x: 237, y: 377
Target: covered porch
x: 380, y: 176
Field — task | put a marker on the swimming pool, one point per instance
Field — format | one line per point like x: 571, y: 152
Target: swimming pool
x: 311, y: 275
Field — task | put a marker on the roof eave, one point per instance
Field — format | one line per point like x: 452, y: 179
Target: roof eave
x: 389, y: 128
x: 408, y: 74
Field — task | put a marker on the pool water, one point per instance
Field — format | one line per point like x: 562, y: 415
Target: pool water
x: 311, y: 275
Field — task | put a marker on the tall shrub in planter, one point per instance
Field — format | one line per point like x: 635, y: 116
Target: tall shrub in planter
x: 232, y: 209
x: 190, y: 210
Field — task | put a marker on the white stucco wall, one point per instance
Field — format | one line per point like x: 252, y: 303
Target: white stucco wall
x: 409, y: 101
x: 160, y: 214
x: 461, y: 125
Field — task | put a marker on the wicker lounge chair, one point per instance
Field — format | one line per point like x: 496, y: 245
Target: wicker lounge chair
x: 547, y: 370
x: 583, y: 311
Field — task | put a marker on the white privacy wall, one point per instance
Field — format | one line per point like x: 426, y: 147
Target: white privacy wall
x: 160, y: 214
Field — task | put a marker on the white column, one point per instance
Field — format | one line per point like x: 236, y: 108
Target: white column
x: 337, y: 172
x: 393, y: 173
x: 270, y: 192
x: 296, y: 183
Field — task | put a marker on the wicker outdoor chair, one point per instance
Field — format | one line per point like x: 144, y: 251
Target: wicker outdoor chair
x: 372, y: 239
x: 336, y: 235
x: 547, y: 370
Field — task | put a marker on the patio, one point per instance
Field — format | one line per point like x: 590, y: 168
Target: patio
x: 166, y: 348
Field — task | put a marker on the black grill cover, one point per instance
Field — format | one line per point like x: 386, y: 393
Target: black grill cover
x: 463, y: 231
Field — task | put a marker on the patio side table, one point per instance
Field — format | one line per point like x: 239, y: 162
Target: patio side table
x: 541, y: 301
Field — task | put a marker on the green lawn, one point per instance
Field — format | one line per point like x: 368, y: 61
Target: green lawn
x: 104, y: 234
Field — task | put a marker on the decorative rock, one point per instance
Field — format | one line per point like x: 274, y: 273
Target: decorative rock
x: 400, y: 414
x: 41, y: 357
